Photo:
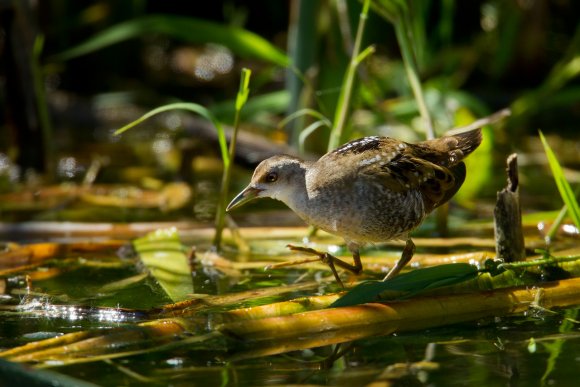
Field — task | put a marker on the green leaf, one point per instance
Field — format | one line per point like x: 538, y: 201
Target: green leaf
x: 193, y: 107
x: 563, y: 186
x: 304, y: 112
x: 391, y: 10
x: 411, y: 283
x: 244, y: 89
x: 363, y: 55
x: 241, y: 98
x: 187, y: 29
x: 309, y: 130
x: 274, y: 103
x: 163, y: 255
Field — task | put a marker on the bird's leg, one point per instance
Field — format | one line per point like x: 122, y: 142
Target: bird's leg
x: 329, y: 260
x: 406, y: 256
x: 326, y: 258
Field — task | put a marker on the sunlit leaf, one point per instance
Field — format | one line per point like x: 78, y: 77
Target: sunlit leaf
x: 244, y: 89
x: 563, y: 186
x: 411, y: 283
x: 163, y: 255
x: 191, y: 30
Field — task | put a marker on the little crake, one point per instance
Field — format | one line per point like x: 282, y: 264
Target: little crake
x: 369, y: 190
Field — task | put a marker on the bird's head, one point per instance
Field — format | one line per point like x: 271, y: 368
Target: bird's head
x: 279, y: 177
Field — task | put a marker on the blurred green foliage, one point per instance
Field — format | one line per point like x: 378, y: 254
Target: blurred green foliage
x: 470, y: 58
x: 496, y: 53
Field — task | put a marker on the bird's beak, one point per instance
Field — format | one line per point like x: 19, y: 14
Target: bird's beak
x: 248, y: 194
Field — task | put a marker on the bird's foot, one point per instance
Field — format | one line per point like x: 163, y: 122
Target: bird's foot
x: 323, y: 257
x: 406, y: 256
x: 319, y: 257
x: 326, y: 258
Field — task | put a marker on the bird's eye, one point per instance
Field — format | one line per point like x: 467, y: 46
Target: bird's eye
x: 271, y: 177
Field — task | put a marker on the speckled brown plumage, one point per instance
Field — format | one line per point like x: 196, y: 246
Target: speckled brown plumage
x: 369, y: 190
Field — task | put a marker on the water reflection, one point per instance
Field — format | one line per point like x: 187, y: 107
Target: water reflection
x: 42, y: 308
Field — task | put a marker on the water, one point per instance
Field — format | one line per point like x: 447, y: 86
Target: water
x: 103, y: 293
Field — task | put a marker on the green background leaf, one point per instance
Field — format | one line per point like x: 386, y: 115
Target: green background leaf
x: 563, y: 186
x: 188, y: 29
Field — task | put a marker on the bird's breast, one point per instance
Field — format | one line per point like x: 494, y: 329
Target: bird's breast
x: 363, y: 213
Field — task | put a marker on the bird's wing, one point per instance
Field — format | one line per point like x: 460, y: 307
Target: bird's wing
x: 406, y: 171
x: 398, y: 166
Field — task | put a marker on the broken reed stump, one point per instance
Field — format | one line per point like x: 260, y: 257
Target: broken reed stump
x: 509, y: 236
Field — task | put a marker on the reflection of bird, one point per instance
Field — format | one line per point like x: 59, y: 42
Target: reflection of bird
x: 369, y: 190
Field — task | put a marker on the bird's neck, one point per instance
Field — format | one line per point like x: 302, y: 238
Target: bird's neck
x: 295, y: 195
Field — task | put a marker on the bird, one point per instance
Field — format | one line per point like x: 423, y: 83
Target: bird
x: 373, y: 189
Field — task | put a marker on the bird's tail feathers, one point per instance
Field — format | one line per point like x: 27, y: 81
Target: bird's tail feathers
x: 454, y: 148
x: 467, y: 142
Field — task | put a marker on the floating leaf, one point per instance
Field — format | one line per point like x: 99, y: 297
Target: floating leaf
x: 163, y: 254
x: 410, y: 283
